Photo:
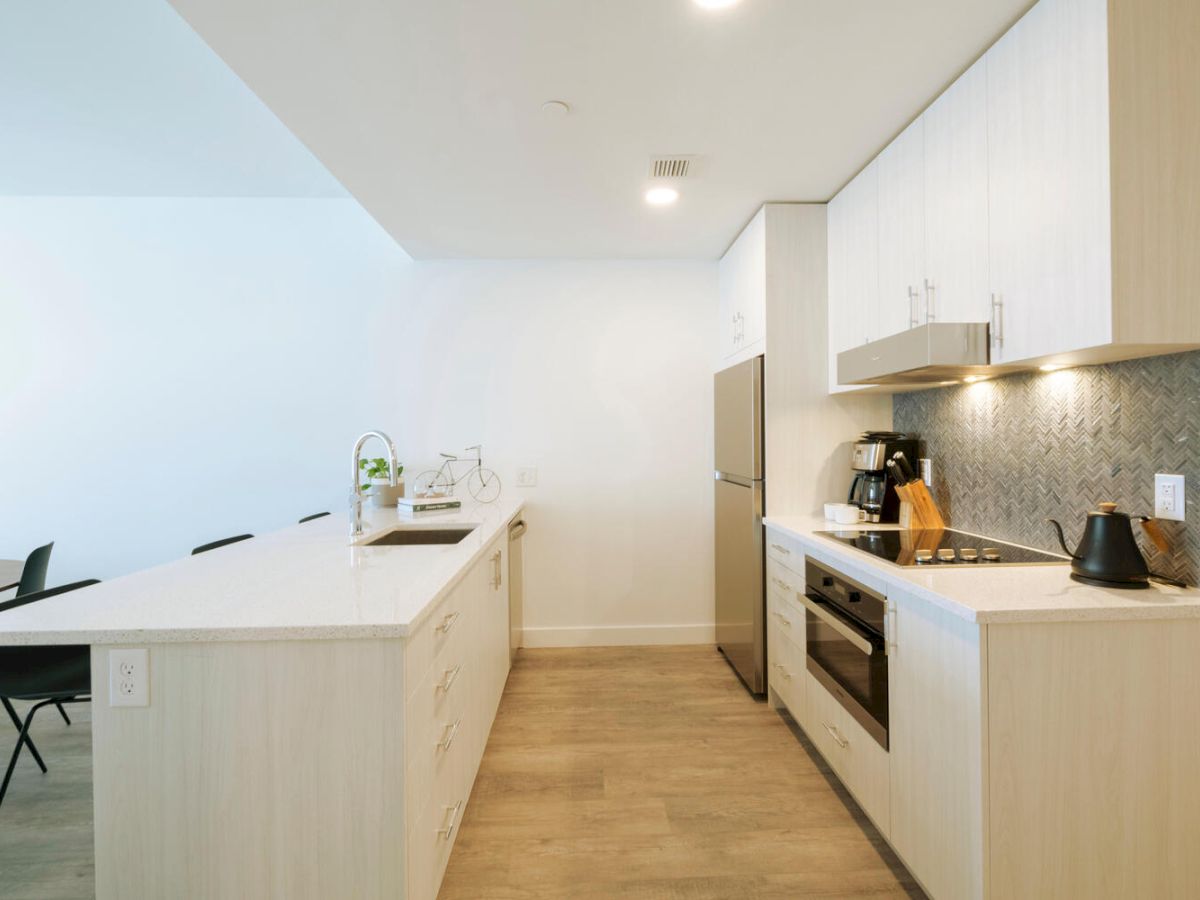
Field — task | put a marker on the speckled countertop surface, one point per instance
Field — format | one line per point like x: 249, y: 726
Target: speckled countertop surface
x: 305, y: 582
x: 1035, y: 593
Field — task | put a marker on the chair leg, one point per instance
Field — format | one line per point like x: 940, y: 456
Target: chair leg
x: 12, y: 763
x: 16, y: 720
x: 62, y: 712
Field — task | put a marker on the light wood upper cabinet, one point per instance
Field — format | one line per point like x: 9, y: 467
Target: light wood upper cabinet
x: 742, y: 275
x: 902, y: 268
x: 853, y: 252
x: 956, y: 202
x: 1048, y: 168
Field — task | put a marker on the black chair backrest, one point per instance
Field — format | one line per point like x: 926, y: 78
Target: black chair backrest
x: 204, y: 548
x: 23, y: 599
x: 313, y: 516
x: 33, y: 576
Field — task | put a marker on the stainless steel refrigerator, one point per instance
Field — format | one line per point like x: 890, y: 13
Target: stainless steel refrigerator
x: 741, y: 607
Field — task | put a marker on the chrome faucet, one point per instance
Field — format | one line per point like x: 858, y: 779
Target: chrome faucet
x: 356, y: 496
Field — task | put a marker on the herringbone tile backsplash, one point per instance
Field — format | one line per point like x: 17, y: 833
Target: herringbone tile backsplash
x: 1010, y: 452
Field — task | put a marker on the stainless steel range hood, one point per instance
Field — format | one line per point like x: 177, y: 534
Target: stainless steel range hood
x: 939, y: 351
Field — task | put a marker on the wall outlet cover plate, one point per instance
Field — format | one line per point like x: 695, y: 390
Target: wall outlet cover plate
x: 129, y: 677
x: 1169, y: 500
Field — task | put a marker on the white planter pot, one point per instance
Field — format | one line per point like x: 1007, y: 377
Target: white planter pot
x: 383, y: 494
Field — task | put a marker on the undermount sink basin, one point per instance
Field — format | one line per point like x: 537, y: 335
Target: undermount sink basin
x: 401, y: 537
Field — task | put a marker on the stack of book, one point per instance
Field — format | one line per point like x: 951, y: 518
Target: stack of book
x: 419, y: 507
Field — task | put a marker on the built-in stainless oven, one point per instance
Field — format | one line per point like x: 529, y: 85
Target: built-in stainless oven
x: 846, y: 647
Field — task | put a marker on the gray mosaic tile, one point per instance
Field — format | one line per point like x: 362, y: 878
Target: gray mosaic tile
x: 1010, y: 452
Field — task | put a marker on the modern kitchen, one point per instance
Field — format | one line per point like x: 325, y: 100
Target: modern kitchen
x: 545, y: 449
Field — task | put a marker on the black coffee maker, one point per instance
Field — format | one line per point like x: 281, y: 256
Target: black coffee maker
x: 873, y: 490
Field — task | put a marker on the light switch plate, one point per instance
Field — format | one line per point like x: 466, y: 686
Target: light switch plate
x: 527, y: 476
x: 1169, y: 501
x: 129, y: 677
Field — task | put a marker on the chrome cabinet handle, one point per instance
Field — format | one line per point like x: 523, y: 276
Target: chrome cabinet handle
x: 782, y: 618
x: 997, y: 320
x: 912, y: 307
x: 497, y: 578
x: 779, y: 582
x: 447, y: 682
x: 889, y: 637
x: 447, y: 622
x: 447, y: 831
x: 449, y: 733
x: 786, y: 673
x: 781, y: 549
x: 833, y: 733
x: 929, y: 316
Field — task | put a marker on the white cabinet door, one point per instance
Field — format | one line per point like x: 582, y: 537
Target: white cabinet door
x: 853, y: 251
x: 935, y: 734
x: 742, y: 283
x: 901, y: 303
x: 956, y: 201
x: 1048, y: 163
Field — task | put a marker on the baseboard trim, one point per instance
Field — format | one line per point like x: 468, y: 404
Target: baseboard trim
x: 619, y: 636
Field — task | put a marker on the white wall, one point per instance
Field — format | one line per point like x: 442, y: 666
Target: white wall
x: 179, y: 370
x: 599, y: 374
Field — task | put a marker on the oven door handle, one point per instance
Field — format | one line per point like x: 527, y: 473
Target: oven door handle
x: 817, y: 608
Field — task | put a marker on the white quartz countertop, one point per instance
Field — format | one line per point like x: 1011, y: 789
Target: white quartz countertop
x: 305, y: 582
x: 992, y: 594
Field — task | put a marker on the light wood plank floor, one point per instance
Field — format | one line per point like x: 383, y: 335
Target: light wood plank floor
x: 649, y: 774
x: 46, y: 820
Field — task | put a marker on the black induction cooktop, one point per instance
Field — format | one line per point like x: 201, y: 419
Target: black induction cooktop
x: 943, y: 547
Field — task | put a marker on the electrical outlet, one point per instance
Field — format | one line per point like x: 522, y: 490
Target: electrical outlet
x: 927, y: 471
x: 1169, y: 501
x: 129, y: 677
x: 527, y: 476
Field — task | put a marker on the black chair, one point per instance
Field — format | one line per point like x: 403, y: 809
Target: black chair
x: 49, y: 676
x: 204, y: 548
x: 313, y: 516
x: 33, y: 574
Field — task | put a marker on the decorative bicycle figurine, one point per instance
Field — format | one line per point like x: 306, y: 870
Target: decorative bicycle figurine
x: 483, y: 484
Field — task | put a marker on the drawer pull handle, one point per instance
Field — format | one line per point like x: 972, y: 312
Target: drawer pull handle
x: 782, y: 618
x: 497, y: 577
x: 779, y: 582
x: 447, y: 831
x: 447, y: 622
x: 448, y: 681
x: 833, y: 733
x: 786, y: 673
x: 449, y: 733
x: 781, y: 549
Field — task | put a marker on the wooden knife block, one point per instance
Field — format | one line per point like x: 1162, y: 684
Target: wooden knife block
x: 923, y: 512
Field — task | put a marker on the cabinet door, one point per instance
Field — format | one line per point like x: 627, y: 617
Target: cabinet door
x: 935, y: 716
x: 1048, y: 173
x: 901, y: 303
x: 742, y: 275
x: 956, y: 201
x: 853, y: 253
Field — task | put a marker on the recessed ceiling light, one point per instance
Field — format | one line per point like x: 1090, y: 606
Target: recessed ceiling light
x: 661, y: 196
x: 714, y: 4
x: 556, y: 109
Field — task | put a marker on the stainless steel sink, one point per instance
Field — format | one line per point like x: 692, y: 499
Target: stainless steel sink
x: 404, y: 537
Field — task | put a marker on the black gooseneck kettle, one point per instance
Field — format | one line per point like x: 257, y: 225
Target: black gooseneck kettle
x: 1108, y: 555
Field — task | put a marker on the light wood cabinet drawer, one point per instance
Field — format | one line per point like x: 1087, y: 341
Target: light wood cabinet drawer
x: 786, y: 616
x: 860, y: 762
x: 446, y: 626
x: 784, y: 549
x: 785, y: 670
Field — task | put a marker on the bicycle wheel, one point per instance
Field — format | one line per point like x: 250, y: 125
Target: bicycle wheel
x: 432, y: 483
x: 484, y: 485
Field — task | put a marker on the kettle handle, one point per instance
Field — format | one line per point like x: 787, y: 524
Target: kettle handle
x: 1062, y: 540
x: 1155, y: 533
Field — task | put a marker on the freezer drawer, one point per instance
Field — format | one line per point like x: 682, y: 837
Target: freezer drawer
x: 740, y: 616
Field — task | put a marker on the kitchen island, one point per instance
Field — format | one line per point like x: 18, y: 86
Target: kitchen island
x: 316, y: 713
x: 1040, y: 733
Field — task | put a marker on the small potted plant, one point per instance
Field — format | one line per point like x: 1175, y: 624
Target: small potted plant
x: 380, y: 491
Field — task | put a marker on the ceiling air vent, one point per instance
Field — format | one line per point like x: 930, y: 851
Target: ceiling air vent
x: 672, y: 166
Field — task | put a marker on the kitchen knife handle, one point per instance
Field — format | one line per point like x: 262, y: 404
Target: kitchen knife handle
x: 897, y: 474
x: 905, y: 468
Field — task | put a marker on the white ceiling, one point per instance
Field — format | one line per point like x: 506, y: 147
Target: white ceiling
x: 122, y: 98
x: 430, y: 112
